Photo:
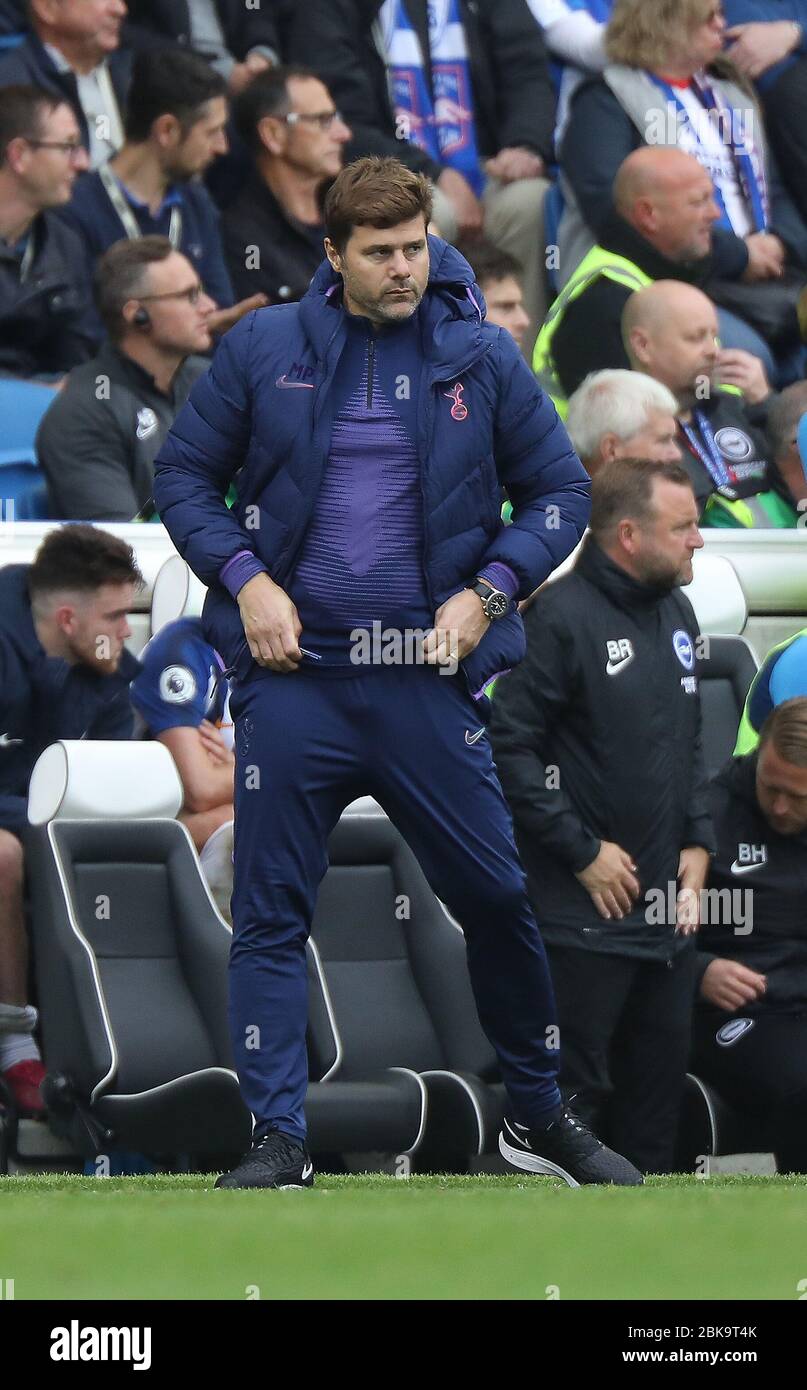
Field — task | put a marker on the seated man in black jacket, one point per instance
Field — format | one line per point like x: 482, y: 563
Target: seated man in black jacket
x: 670, y: 333
x: 750, y: 1037
x: 45, y: 300
x: 98, y: 441
x: 273, y: 233
x: 65, y: 674
x: 597, y: 741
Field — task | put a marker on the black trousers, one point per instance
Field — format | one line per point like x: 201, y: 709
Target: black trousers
x: 786, y: 112
x: 625, y: 1031
x: 762, y: 1073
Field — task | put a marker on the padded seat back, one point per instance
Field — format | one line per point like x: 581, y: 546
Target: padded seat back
x: 381, y: 1017
x: 131, y: 956
x: 22, y: 405
x: 394, y: 964
x: 127, y: 914
x: 716, y: 594
x: 725, y: 678
x: 177, y: 593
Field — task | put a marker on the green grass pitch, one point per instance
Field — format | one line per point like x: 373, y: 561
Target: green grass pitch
x: 66, y: 1237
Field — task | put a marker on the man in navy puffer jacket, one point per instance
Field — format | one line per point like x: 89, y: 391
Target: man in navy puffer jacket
x: 363, y: 592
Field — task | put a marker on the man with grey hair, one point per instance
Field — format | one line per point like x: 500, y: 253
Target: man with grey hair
x: 617, y: 414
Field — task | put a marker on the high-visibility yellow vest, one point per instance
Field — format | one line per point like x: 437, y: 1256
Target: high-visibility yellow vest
x: 747, y: 734
x: 596, y: 264
x: 764, y: 509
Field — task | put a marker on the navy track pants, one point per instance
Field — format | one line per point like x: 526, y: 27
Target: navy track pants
x: 306, y: 745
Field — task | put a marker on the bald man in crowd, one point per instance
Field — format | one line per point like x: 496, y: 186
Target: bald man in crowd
x: 670, y: 333
x: 661, y: 229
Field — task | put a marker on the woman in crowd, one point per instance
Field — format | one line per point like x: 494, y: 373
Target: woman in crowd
x: 666, y: 82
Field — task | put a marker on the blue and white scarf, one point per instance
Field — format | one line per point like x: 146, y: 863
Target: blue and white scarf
x: 440, y: 121
x: 734, y: 127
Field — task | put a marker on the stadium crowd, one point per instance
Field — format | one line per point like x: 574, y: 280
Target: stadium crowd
x: 628, y: 183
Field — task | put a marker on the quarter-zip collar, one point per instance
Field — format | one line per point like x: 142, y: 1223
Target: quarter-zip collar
x: 619, y: 586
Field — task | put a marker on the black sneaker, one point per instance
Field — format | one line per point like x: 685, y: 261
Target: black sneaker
x: 565, y: 1149
x: 276, y: 1160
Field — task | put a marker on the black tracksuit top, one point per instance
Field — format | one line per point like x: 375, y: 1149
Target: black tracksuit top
x: 597, y: 736
x: 752, y: 856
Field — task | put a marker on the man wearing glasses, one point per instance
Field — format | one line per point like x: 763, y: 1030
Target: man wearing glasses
x: 45, y: 300
x: 273, y: 232
x: 98, y: 441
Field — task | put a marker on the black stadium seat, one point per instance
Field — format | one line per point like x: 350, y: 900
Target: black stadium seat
x: 130, y: 958
x: 133, y: 1002
x: 725, y: 677
x: 394, y: 964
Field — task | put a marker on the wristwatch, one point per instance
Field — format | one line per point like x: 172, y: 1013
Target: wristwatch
x: 494, y: 602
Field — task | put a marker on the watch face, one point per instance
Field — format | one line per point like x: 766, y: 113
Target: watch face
x: 497, y: 605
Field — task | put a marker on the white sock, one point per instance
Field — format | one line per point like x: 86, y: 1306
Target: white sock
x: 18, y: 1047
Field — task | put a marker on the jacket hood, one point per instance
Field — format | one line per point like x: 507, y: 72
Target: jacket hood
x: 739, y: 777
x: 453, y: 308
x: 16, y: 619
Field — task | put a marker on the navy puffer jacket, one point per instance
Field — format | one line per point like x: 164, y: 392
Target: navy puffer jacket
x: 264, y: 408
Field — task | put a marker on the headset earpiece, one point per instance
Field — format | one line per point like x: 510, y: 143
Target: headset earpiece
x: 141, y: 318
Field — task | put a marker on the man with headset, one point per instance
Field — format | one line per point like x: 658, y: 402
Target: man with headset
x: 99, y: 439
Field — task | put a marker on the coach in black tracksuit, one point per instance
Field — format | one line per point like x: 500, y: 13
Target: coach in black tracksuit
x: 750, y: 1035
x: 597, y: 742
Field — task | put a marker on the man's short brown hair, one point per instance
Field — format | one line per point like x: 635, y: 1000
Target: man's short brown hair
x: 120, y: 275
x: 624, y: 487
x: 81, y: 557
x: 786, y: 728
x: 375, y: 192
x: 23, y: 111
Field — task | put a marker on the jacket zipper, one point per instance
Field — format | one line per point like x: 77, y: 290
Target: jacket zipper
x: 370, y: 369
